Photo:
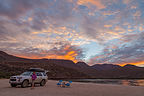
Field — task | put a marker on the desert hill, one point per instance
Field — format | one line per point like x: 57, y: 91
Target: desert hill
x: 12, y: 65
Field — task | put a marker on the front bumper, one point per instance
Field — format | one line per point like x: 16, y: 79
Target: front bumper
x: 15, y: 81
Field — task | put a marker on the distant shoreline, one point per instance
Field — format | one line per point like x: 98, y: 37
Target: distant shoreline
x: 92, y: 78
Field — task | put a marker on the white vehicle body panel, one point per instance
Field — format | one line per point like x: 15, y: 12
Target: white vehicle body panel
x: 20, y: 78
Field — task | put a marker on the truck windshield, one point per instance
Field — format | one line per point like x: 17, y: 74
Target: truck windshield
x: 26, y: 73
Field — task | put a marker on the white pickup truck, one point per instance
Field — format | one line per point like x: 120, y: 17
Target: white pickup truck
x: 25, y: 78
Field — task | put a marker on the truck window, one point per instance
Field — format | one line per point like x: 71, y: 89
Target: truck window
x: 44, y: 74
x: 38, y: 74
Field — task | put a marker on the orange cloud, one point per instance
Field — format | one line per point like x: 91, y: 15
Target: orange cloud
x: 126, y: 1
x: 141, y: 28
x: 137, y: 14
x: 107, y: 26
x: 114, y: 47
x: 97, y: 3
x: 30, y: 19
x: 139, y: 63
x: 118, y: 28
x: 67, y: 53
x: 68, y: 56
x: 114, y: 34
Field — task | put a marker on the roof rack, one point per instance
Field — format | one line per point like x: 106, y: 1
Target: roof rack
x: 37, y: 70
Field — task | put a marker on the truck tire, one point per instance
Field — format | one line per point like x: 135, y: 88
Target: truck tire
x: 42, y: 83
x: 25, y: 83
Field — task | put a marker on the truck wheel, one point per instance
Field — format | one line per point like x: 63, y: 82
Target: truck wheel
x: 42, y: 83
x: 13, y: 85
x: 25, y: 83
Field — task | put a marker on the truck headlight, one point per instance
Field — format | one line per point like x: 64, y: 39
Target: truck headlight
x: 19, y: 78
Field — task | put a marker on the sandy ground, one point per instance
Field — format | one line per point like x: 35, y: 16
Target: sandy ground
x: 77, y: 89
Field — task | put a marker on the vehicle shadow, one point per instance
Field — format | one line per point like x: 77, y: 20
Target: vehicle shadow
x: 19, y: 86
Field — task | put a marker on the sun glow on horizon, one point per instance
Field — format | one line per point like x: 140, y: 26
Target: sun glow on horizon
x: 67, y: 53
x: 141, y: 63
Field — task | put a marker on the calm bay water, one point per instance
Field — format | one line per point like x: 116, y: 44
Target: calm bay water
x: 131, y: 82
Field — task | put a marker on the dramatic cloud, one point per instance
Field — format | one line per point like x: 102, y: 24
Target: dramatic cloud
x: 15, y: 8
x: 132, y: 53
x: 64, y: 51
x: 34, y: 28
x: 97, y: 3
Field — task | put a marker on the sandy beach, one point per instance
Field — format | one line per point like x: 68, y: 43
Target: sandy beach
x: 77, y: 89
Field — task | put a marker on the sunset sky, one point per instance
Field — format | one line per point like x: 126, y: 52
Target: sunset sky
x: 93, y: 31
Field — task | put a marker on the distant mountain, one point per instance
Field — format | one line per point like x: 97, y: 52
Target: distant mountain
x: 130, y: 66
x: 59, y: 68
x: 6, y: 57
x: 116, y: 71
x: 105, y: 66
x: 12, y: 65
x: 82, y: 64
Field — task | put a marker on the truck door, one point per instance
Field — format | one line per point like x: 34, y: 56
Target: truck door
x: 39, y: 77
